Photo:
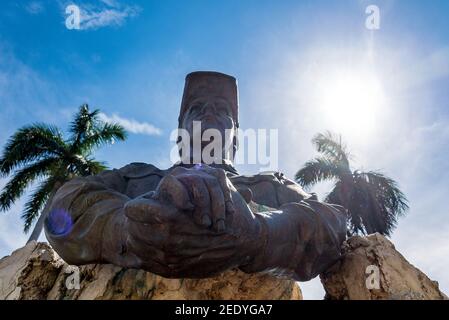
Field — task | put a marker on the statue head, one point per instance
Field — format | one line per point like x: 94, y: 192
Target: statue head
x: 211, y: 99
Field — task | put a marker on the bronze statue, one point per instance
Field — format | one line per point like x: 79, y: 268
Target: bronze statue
x: 196, y: 220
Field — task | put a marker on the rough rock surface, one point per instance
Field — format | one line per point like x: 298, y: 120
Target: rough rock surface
x: 36, y: 272
x: 398, y: 279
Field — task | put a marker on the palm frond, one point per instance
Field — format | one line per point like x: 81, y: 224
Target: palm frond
x: 39, y: 150
x: 387, y: 190
x: 335, y: 195
x: 356, y: 200
x: 90, y: 167
x: 316, y: 170
x: 386, y: 200
x: 83, y: 125
x: 364, y: 213
x: 332, y: 147
x: 15, y: 187
x: 31, y: 143
x: 37, y: 202
x: 104, y: 133
x: 374, y: 202
x: 95, y: 167
x: 340, y: 194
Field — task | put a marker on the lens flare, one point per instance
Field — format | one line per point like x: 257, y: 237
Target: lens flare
x: 59, y: 222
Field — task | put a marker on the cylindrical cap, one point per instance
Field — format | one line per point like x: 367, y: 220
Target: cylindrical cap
x: 209, y: 83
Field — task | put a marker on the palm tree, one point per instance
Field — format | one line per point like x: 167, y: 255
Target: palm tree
x: 374, y: 201
x: 39, y: 153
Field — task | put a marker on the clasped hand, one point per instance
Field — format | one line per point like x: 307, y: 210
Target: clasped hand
x: 195, y: 224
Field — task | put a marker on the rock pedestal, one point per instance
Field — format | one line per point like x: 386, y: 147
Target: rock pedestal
x: 372, y: 269
x: 36, y: 272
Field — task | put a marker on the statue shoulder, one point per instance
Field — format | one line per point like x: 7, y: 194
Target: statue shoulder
x: 270, y: 188
x: 271, y: 176
x: 138, y: 170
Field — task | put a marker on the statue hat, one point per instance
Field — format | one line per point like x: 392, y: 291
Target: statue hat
x: 210, y: 83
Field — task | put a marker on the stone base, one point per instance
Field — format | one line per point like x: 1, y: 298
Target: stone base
x: 36, y: 272
x: 372, y: 269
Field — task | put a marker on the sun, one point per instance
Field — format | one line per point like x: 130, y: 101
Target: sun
x: 351, y: 102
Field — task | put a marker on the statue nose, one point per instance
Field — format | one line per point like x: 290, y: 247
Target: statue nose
x: 209, y: 108
x: 208, y: 114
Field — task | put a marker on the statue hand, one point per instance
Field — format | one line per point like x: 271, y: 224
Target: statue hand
x: 203, y: 193
x: 166, y: 233
x: 210, y: 193
x: 302, y: 239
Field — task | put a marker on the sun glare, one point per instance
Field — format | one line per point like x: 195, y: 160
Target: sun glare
x: 352, y: 103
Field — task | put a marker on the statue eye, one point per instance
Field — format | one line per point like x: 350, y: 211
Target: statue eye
x: 223, y: 110
x: 195, y: 107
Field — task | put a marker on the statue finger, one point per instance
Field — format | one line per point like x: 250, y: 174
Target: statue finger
x: 217, y: 204
x: 145, y: 251
x: 225, y: 185
x: 150, y: 234
x: 171, y: 190
x: 150, y: 211
x: 172, y: 244
x: 201, y: 199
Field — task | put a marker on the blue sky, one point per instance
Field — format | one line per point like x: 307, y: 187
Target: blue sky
x: 302, y: 67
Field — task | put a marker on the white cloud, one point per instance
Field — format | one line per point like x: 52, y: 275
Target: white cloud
x: 106, y: 13
x: 132, y: 125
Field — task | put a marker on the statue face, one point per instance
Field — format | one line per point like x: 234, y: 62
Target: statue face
x: 213, y: 113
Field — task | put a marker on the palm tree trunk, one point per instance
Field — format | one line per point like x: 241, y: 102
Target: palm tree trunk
x: 40, y: 222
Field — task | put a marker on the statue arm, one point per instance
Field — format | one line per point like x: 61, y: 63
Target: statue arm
x: 92, y: 220
x: 303, y: 237
x: 86, y: 221
x: 289, y: 191
x: 301, y: 240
